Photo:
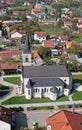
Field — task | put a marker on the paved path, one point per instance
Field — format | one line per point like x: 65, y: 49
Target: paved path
x: 55, y: 104
x: 12, y: 92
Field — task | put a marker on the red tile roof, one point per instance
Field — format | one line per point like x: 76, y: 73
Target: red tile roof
x: 5, y: 115
x: 4, y: 25
x: 65, y: 120
x: 68, y: 23
x: 35, y: 55
x: 9, y: 3
x: 36, y: 10
x: 69, y: 44
x: 41, y: 33
x: 12, y: 32
x: 48, y: 43
x: 11, y: 66
x: 64, y: 37
x: 4, y: 55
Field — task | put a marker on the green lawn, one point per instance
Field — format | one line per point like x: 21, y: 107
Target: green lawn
x: 41, y: 108
x: 77, y: 96
x: 77, y: 78
x: 3, y: 93
x: 13, y: 80
x: 3, y: 87
x: 22, y: 100
x: 52, y: 30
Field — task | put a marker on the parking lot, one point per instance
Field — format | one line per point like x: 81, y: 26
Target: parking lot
x: 25, y: 120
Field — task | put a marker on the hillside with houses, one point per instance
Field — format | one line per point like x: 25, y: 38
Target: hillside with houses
x: 40, y: 55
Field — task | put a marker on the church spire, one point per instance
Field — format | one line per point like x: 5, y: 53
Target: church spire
x: 27, y: 45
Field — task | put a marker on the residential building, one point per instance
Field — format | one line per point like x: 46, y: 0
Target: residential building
x: 15, y: 34
x: 65, y: 120
x: 5, y: 118
x: 40, y: 36
x: 37, y: 59
x: 43, y: 80
x: 35, y: 11
x: 48, y: 43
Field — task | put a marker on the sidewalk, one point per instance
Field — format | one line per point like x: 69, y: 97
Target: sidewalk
x: 12, y: 90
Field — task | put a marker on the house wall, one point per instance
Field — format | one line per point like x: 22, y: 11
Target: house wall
x: 39, y: 38
x: 16, y: 35
x: 4, y: 126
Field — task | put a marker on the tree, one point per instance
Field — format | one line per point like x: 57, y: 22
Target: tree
x: 74, y: 49
x: 43, y: 52
x: 4, y: 32
x: 0, y: 26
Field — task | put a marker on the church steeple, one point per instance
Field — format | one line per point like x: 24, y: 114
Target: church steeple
x: 26, y: 56
x: 27, y: 48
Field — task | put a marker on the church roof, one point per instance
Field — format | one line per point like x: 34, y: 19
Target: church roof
x: 54, y: 89
x: 27, y: 45
x: 47, y: 82
x: 45, y: 71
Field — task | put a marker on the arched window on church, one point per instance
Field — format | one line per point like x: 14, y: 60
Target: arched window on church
x: 26, y: 59
x: 44, y: 89
x: 29, y: 92
x: 36, y: 90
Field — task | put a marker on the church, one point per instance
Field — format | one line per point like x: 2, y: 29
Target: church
x: 41, y: 81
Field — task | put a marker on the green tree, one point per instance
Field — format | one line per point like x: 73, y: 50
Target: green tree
x: 43, y: 52
x: 74, y: 49
x: 0, y: 26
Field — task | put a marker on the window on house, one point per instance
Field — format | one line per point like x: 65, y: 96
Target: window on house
x: 47, y: 90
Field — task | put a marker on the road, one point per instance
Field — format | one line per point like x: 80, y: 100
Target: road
x: 45, y: 104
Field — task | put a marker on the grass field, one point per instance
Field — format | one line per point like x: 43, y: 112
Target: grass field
x: 22, y: 100
x: 13, y: 80
x: 53, y: 30
x: 3, y: 93
x: 77, y: 78
x: 40, y: 108
x: 77, y: 96
x: 3, y: 87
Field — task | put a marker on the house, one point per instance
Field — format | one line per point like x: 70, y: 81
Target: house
x: 35, y: 11
x: 15, y: 34
x: 63, y: 38
x: 10, y: 67
x: 40, y: 36
x: 16, y: 55
x: 65, y: 120
x: 69, y: 44
x: 38, y: 60
x: 67, y: 24
x: 79, y: 25
x: 3, y: 11
x: 43, y: 81
x: 16, y: 13
x: 5, y: 118
x: 54, y: 52
x: 48, y: 43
